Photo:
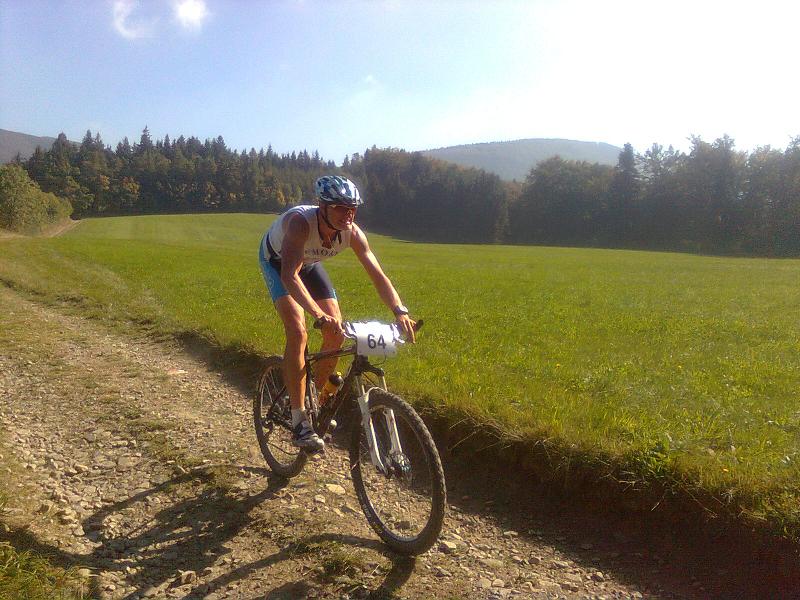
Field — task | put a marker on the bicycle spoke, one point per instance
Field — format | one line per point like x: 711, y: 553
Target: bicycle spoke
x: 272, y: 419
x: 405, y: 504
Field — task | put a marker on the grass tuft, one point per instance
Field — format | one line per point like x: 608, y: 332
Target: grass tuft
x: 342, y: 560
x: 26, y: 575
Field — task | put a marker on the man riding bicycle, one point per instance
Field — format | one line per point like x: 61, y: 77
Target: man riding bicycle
x: 290, y: 255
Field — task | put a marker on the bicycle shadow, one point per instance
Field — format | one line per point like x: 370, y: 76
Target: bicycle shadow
x: 395, y: 578
x: 194, y: 528
x: 186, y: 535
x: 22, y: 540
x: 191, y: 534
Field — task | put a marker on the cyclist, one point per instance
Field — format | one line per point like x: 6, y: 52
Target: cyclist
x: 290, y: 255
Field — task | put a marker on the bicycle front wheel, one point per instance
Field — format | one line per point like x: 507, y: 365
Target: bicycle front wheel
x: 405, y: 501
x: 272, y: 417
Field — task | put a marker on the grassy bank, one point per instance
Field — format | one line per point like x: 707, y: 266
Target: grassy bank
x: 644, y: 366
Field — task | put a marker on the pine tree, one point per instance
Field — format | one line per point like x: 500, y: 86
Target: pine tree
x: 145, y: 142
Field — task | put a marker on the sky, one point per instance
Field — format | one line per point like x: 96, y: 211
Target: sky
x: 339, y: 77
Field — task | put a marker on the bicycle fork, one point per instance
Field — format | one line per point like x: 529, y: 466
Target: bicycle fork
x: 369, y: 428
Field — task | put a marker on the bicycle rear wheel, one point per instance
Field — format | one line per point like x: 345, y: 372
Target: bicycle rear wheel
x: 406, y: 505
x: 272, y: 417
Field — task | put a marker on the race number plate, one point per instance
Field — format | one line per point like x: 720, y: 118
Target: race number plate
x: 375, y: 339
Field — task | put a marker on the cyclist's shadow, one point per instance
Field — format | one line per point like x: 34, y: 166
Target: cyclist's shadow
x: 187, y: 535
x: 191, y: 533
x: 396, y: 577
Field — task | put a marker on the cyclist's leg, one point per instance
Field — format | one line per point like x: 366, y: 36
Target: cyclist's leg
x: 329, y: 342
x: 320, y: 287
x: 293, y: 317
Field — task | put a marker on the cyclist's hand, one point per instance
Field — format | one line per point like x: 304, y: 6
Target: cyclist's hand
x: 406, y: 327
x: 329, y: 323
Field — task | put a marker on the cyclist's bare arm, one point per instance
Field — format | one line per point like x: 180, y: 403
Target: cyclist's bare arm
x: 294, y: 240
x: 386, y: 291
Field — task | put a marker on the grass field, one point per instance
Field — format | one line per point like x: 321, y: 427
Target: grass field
x: 670, y: 367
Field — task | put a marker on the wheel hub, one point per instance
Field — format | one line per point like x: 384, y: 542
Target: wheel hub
x: 399, y: 466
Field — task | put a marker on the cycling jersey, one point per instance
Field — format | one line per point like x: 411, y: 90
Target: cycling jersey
x: 313, y: 276
x: 314, y: 250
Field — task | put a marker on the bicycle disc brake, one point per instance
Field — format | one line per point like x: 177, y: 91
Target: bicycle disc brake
x: 399, y: 466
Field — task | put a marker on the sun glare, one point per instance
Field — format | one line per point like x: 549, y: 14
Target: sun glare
x: 191, y: 14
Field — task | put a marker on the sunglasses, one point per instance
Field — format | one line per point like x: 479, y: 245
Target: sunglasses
x: 343, y: 207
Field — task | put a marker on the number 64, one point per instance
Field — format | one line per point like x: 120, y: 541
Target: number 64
x: 372, y: 343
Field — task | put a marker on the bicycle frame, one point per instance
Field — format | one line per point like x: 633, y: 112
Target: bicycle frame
x: 353, y: 380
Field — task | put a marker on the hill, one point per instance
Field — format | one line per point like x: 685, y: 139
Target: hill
x: 514, y: 159
x: 12, y: 143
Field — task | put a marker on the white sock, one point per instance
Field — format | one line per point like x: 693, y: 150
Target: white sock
x: 298, y: 416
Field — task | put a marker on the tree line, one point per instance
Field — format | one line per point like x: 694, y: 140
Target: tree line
x: 184, y: 175
x: 407, y: 193
x: 421, y: 198
x: 710, y: 199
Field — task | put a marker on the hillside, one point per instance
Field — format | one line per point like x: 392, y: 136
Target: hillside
x: 514, y: 159
x: 12, y: 142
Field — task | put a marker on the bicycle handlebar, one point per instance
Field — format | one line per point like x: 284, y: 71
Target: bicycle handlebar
x: 417, y: 325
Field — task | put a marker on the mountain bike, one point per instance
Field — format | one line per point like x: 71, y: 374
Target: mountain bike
x: 394, y: 463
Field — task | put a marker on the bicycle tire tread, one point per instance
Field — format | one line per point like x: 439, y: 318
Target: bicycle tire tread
x: 431, y: 532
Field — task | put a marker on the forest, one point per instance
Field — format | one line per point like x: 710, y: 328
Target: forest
x: 711, y: 199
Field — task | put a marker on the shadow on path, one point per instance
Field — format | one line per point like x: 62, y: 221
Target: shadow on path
x: 187, y: 534
x: 191, y: 533
x: 396, y: 577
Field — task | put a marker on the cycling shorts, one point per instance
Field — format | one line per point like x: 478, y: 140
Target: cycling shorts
x: 313, y: 276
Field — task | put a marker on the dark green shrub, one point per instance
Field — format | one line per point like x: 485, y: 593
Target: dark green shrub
x: 24, y: 207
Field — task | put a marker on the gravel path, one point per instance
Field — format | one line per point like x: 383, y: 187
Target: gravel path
x: 137, y: 461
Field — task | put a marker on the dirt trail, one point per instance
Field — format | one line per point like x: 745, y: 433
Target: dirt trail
x: 135, y: 460
x: 50, y: 231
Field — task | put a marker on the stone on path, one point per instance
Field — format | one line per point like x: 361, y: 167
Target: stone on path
x: 335, y: 488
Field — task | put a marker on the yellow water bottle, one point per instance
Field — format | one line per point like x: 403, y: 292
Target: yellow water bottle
x: 331, y: 386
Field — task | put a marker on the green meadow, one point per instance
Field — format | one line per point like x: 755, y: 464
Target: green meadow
x: 646, y: 366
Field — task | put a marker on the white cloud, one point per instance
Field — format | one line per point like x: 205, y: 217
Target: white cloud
x: 132, y: 25
x: 191, y: 14
x: 127, y: 28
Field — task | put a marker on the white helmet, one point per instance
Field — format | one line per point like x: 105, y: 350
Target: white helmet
x: 332, y: 189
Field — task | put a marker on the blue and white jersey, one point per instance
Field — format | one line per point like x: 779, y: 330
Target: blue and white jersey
x: 314, y: 251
